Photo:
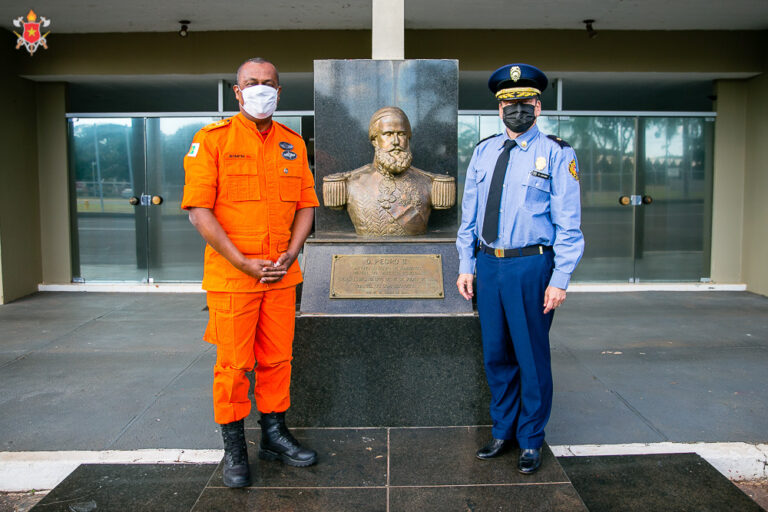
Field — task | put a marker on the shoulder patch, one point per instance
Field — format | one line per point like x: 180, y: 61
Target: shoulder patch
x: 217, y: 124
x: 488, y: 137
x: 560, y: 142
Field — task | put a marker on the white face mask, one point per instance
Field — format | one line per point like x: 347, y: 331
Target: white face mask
x: 260, y: 101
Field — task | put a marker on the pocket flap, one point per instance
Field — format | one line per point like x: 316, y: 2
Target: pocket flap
x: 249, y: 244
x: 539, y: 183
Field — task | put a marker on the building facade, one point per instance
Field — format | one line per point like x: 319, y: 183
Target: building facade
x: 673, y: 120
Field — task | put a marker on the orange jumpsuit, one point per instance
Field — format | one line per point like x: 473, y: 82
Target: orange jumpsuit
x: 254, y: 185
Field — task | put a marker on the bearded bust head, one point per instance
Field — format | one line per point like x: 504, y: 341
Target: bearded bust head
x: 390, y: 134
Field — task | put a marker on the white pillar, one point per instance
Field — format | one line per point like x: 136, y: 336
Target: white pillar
x: 388, y: 30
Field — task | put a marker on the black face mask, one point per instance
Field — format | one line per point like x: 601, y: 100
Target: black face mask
x: 518, y: 117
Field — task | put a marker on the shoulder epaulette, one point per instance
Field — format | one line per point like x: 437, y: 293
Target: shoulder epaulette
x: 560, y: 142
x: 217, y: 124
x: 288, y: 129
x: 488, y: 137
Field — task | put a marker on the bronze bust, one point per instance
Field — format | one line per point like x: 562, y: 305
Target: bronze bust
x: 389, y: 197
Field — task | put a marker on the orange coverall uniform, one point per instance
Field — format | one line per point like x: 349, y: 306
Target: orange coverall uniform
x: 254, y: 185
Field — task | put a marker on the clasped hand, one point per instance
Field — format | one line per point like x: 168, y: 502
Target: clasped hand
x: 267, y: 271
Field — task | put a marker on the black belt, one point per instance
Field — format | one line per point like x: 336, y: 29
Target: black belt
x: 515, y: 253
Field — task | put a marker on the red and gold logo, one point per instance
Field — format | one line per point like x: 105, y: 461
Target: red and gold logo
x: 31, y: 36
x: 573, y: 171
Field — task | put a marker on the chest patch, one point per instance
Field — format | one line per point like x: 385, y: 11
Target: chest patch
x: 285, y: 145
x: 289, y: 155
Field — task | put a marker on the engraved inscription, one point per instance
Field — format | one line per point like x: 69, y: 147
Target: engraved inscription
x: 387, y: 276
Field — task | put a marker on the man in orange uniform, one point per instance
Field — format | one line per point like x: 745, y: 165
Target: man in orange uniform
x: 250, y: 194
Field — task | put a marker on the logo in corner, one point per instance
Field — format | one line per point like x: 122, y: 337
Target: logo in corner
x: 31, y: 38
x: 572, y: 170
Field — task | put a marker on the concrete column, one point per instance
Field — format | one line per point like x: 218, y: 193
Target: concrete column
x: 19, y: 201
x: 728, y: 183
x: 53, y: 183
x: 388, y: 30
x: 755, y: 248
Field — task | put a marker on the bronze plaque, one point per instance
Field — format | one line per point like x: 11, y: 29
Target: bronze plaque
x: 387, y: 276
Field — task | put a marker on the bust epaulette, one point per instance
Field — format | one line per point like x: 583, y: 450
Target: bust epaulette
x: 488, y: 137
x: 560, y: 142
x: 217, y: 124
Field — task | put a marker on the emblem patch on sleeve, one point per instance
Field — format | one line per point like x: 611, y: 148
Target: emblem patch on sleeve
x: 572, y: 170
x: 193, y: 149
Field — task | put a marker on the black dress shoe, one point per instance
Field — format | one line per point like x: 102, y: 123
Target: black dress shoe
x: 495, y: 448
x: 529, y: 461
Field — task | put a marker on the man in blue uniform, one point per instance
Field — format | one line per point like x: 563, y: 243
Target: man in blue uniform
x: 520, y: 229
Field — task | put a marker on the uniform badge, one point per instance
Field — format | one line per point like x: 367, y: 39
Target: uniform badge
x: 572, y: 170
x: 285, y: 145
x: 193, y: 150
x: 514, y: 73
x: 289, y: 155
x: 541, y: 163
x: 285, y: 170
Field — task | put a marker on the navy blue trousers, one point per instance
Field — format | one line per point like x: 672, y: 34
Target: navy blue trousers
x: 515, y: 330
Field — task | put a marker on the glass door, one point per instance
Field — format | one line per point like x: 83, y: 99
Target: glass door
x: 108, y: 169
x: 175, y: 248
x: 674, y: 186
x: 128, y: 182
x: 605, y: 148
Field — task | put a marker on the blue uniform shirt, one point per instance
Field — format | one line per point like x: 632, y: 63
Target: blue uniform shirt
x: 540, y: 202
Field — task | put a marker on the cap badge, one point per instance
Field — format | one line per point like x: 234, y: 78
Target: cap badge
x: 541, y: 163
x: 514, y: 73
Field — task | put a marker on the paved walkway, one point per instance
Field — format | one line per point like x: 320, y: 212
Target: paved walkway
x: 92, y: 371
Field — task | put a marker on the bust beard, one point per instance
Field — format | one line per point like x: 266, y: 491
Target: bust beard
x: 392, y: 162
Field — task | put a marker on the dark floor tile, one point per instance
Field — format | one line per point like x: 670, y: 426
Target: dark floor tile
x: 122, y: 487
x: 346, y: 458
x: 292, y: 500
x: 680, y: 482
x: 446, y: 456
x: 528, y: 498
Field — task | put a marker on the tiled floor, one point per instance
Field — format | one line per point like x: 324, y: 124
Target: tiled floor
x: 406, y: 470
x: 368, y: 469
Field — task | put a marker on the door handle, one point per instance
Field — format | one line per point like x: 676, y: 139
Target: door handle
x: 133, y: 200
x: 633, y: 200
x: 647, y: 199
x: 157, y: 200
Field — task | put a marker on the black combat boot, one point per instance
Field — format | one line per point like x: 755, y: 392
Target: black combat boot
x: 278, y: 443
x: 236, y: 471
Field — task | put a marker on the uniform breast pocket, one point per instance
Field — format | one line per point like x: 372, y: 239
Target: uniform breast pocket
x: 241, y: 179
x: 536, y: 192
x: 243, y: 187
x: 289, y: 178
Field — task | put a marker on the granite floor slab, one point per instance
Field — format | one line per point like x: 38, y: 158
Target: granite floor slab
x: 681, y: 482
x: 405, y: 470
x: 128, y: 487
